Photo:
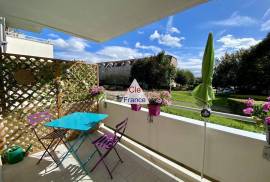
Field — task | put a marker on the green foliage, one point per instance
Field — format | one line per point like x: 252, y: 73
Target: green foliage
x: 116, y: 79
x: 248, y: 70
x: 184, y: 77
x: 225, y: 74
x: 236, y: 105
x: 180, y: 77
x: 154, y: 72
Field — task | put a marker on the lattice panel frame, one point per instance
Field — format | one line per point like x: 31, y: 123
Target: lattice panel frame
x: 43, y: 92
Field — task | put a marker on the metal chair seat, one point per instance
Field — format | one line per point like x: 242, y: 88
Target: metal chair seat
x: 55, y: 134
x: 106, y: 141
x: 54, y: 138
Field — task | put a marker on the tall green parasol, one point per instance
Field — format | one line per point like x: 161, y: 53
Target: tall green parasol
x: 204, y: 93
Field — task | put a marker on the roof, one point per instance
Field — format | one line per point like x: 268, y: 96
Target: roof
x: 97, y: 20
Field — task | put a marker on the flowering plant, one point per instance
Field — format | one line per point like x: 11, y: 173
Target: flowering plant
x: 97, y: 91
x: 162, y: 98
x: 260, y: 112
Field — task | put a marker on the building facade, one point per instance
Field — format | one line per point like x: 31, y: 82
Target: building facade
x: 118, y: 72
x: 21, y: 44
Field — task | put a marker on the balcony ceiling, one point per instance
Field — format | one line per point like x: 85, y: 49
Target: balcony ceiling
x: 97, y: 20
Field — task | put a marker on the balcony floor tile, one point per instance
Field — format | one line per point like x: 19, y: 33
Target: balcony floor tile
x: 134, y: 168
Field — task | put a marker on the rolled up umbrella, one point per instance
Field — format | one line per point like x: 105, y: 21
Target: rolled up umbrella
x: 204, y: 93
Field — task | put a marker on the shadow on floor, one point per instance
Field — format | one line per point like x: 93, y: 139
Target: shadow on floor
x: 134, y: 169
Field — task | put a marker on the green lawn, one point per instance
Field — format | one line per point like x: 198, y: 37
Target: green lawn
x: 221, y: 103
x: 213, y: 119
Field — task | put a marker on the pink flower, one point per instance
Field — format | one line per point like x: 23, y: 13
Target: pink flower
x: 268, y: 98
x: 166, y: 102
x: 95, y: 90
x: 267, y: 120
x: 266, y: 106
x: 162, y: 98
x: 248, y: 111
x: 250, y: 102
x: 165, y: 94
x: 159, y: 101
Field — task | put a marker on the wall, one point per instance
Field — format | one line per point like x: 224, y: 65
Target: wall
x: 17, y: 45
x: 232, y: 155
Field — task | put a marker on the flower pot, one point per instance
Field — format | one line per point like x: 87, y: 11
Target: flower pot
x: 268, y: 137
x: 154, y: 110
x: 267, y: 133
x: 136, y: 107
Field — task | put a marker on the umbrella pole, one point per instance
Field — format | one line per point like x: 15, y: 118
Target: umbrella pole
x: 205, y: 113
x: 204, y: 147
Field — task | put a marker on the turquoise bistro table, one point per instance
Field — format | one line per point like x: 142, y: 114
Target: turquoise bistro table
x: 77, y: 121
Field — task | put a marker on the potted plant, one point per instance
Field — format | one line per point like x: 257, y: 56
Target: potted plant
x: 97, y: 92
x: 136, y: 107
x: 156, y: 100
x: 261, y: 114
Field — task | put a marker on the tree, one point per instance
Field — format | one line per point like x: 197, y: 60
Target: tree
x: 184, y: 77
x: 190, y: 77
x: 154, y: 72
x: 248, y: 70
x: 180, y: 77
x: 254, y: 70
x: 225, y: 73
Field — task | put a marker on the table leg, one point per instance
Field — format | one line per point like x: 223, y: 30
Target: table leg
x: 70, y: 147
x: 73, y: 150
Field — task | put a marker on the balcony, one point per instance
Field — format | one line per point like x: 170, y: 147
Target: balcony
x: 134, y: 168
x: 231, y: 154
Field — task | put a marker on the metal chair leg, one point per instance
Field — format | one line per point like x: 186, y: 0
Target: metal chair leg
x: 46, y: 151
x: 118, y: 154
x: 102, y: 160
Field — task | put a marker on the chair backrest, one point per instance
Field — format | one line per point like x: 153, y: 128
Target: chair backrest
x: 120, y: 129
x: 38, y: 117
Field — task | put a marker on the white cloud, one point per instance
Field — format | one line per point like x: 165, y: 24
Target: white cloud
x: 235, y: 20
x: 59, y: 43
x: 229, y: 43
x: 155, y: 49
x: 125, y: 42
x: 110, y: 53
x: 192, y: 64
x: 53, y: 35
x: 118, y: 53
x: 265, y: 26
x: 174, y: 30
x: 140, y: 32
x: 72, y: 44
x: 266, y: 14
x: 76, y: 48
x: 166, y: 39
x: 170, y: 28
x: 154, y: 35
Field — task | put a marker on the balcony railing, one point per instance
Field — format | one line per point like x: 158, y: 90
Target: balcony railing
x: 231, y: 154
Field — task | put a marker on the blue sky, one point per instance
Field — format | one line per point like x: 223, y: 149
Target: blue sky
x: 235, y: 24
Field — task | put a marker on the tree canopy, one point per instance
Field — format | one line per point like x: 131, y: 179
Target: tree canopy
x: 154, y: 72
x: 184, y: 77
x: 248, y: 70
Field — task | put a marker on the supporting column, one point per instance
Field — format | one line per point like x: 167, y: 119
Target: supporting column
x: 3, y: 42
